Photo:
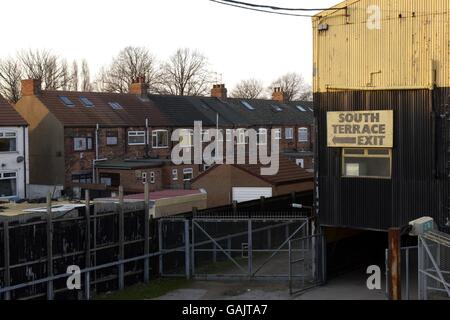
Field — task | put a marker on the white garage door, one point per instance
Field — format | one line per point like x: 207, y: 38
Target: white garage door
x: 241, y: 194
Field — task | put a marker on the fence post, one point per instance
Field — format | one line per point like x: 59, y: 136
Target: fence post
x: 395, y: 290
x: 7, y: 275
x: 146, y: 233
x: 49, y: 232
x: 121, y: 239
x: 160, y: 247
x: 187, y: 253
x: 88, y: 241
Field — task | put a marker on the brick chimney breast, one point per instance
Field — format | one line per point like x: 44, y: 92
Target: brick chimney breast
x: 31, y: 87
x: 138, y: 86
x: 219, y: 91
x: 278, y: 95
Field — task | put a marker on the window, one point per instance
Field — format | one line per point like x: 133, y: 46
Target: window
x: 303, y: 135
x: 288, y: 133
x: 144, y: 177
x: 8, y: 184
x: 205, y: 135
x: 277, y: 134
x: 229, y: 135
x: 247, y: 105
x: 86, y: 102
x: 300, y: 162
x: 8, y: 141
x: 241, y: 139
x: 112, y: 138
x: 188, y: 174
x: 276, y: 108
x: 300, y: 108
x: 82, y: 178
x: 366, y: 163
x: 262, y: 136
x: 186, y: 137
x: 152, y: 177
x: 136, y: 138
x: 160, y: 138
x: 174, y: 174
x: 82, y: 143
x: 67, y: 102
x: 115, y: 105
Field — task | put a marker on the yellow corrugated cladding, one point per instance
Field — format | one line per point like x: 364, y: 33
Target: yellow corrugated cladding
x: 412, y: 41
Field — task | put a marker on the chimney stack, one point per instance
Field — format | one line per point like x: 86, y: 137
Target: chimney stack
x: 219, y: 91
x: 138, y: 86
x: 31, y: 87
x: 278, y: 94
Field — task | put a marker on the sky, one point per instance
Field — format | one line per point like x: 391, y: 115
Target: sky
x: 239, y: 44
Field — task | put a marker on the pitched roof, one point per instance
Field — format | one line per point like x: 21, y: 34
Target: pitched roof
x: 288, y: 172
x: 134, y: 109
x: 9, y: 116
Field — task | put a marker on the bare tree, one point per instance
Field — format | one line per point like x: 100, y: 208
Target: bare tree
x: 248, y: 89
x: 130, y: 63
x: 49, y: 68
x: 74, y: 81
x: 10, y: 77
x: 85, y: 76
x: 294, y: 86
x: 185, y: 73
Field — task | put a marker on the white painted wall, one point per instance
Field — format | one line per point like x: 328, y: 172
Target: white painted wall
x: 9, y: 163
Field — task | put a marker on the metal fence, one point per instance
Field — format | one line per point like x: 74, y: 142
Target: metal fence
x: 434, y: 266
x: 409, y: 271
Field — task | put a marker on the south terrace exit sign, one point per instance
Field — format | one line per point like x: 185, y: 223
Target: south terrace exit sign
x: 367, y: 129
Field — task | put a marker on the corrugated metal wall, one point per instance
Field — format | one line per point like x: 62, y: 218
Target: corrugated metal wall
x: 419, y: 181
x: 413, y: 32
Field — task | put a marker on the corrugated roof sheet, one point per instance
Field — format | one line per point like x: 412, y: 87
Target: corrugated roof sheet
x: 9, y: 116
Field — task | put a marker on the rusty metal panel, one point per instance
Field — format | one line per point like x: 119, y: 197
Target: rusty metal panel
x: 410, y: 50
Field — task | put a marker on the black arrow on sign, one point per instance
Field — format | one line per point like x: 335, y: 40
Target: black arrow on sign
x: 347, y: 140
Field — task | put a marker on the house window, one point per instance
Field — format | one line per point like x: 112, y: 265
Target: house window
x: 186, y: 137
x: 205, y: 135
x: 262, y: 136
x: 82, y: 143
x: 82, y: 178
x: 136, y: 138
x: 112, y: 138
x: 8, y: 184
x: 241, y: 139
x: 366, y: 163
x: 144, y: 177
x: 303, y: 135
x: 188, y: 174
x: 174, y: 174
x: 277, y: 133
x: 160, y: 138
x: 288, y: 133
x: 152, y: 177
x: 300, y: 162
x: 8, y: 141
x: 229, y: 135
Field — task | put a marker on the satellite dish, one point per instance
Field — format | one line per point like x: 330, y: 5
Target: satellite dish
x: 20, y: 159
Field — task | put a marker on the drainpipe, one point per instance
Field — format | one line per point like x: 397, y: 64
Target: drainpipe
x: 24, y: 162
x: 94, y: 175
x: 147, y: 140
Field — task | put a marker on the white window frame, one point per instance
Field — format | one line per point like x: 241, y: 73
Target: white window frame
x: 277, y: 134
x: 108, y: 141
x: 87, y: 146
x: 229, y: 135
x: 144, y: 177
x: 262, y: 132
x: 288, y: 133
x: 14, y: 177
x: 301, y: 132
x: 205, y: 135
x: 155, y: 135
x: 136, y: 134
x: 152, y: 177
x: 241, y: 136
x: 183, y: 134
x: 9, y: 135
x: 300, y: 162
x: 174, y: 174
x: 187, y: 171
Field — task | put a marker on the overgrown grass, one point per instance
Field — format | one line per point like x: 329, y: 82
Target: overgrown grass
x: 156, y: 288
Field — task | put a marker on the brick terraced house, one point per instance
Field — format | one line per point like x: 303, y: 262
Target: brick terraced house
x: 108, y: 139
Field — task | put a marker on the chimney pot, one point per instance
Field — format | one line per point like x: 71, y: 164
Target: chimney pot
x: 278, y: 94
x: 219, y: 91
x: 138, y: 86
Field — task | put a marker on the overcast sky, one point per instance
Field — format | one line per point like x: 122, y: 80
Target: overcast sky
x: 239, y: 43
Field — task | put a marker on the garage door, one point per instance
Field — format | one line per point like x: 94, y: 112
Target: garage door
x: 241, y: 194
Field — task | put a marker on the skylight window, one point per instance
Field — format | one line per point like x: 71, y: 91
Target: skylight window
x: 67, y: 102
x: 300, y: 108
x: 115, y: 105
x: 247, y: 105
x: 277, y: 108
x: 311, y: 109
x: 86, y: 102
